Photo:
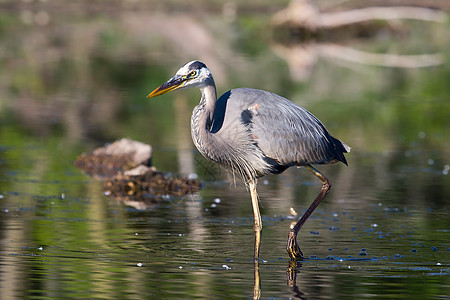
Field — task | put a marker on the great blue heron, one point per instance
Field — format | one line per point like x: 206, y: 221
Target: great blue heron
x: 253, y: 133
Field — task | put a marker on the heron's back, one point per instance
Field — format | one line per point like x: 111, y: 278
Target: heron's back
x: 281, y: 132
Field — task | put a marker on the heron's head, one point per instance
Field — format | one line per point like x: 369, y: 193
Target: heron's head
x: 194, y: 73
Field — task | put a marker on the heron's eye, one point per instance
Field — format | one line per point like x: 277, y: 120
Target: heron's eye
x: 193, y: 74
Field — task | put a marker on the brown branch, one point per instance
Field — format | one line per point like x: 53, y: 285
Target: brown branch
x: 304, y: 13
x: 337, y: 19
x: 376, y: 59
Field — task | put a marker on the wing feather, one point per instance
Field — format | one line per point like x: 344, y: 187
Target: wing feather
x: 283, y: 130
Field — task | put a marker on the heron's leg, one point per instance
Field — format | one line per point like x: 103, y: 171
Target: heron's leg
x: 257, y: 283
x: 292, y: 246
x: 257, y: 216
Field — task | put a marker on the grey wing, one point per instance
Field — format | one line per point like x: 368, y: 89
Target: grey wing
x: 288, y: 133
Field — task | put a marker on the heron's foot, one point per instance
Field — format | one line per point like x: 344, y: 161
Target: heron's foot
x: 292, y: 247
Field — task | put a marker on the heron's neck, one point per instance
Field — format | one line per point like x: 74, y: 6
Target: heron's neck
x: 202, y: 118
x: 208, y: 103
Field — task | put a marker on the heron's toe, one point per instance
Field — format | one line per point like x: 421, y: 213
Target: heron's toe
x: 292, y: 247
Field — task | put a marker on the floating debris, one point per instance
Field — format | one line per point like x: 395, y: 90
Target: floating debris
x: 292, y: 211
x: 120, y: 156
x: 143, y: 182
x: 128, y: 177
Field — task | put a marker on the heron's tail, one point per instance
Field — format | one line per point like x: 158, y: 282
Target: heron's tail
x: 341, y: 148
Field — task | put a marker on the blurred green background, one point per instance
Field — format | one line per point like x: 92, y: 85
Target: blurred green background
x: 75, y: 74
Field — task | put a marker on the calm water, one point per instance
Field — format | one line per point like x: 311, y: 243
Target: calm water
x: 73, y: 81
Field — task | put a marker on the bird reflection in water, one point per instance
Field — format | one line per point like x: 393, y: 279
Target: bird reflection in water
x: 291, y: 274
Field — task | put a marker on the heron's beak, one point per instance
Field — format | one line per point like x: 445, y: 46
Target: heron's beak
x: 172, y: 84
